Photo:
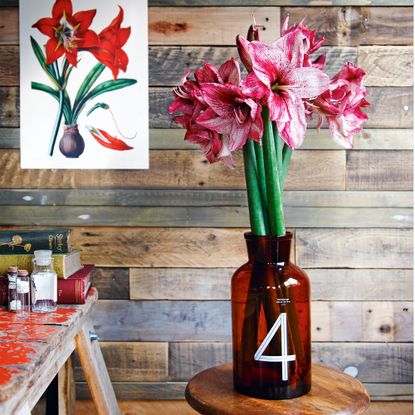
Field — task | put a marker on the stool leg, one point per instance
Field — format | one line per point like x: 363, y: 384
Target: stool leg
x: 66, y: 389
x: 96, y: 373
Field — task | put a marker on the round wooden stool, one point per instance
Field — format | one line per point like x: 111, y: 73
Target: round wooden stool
x: 211, y: 393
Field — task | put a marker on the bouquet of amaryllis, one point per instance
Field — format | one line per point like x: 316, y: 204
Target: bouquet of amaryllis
x: 69, y: 34
x: 265, y: 114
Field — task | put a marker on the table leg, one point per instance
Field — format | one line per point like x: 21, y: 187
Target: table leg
x: 96, y: 373
x: 66, y: 389
x: 25, y: 410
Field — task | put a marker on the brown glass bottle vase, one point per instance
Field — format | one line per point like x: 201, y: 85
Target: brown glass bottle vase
x: 271, y: 322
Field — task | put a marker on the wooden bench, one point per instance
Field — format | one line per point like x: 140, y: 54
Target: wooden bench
x: 34, y: 349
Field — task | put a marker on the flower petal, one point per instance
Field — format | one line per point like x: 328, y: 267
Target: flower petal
x: 53, y: 51
x: 308, y: 82
x: 244, y: 53
x: 46, y: 26
x: 207, y: 73
x: 84, y: 19
x: 60, y: 7
x: 253, y: 87
x: 220, y: 98
x: 209, y: 119
x: 230, y: 72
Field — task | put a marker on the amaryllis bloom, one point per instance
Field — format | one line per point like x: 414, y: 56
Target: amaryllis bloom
x: 280, y: 80
x: 342, y: 103
x: 112, y: 39
x: 232, y: 113
x: 212, y: 144
x: 190, y: 100
x: 107, y: 140
x: 67, y: 32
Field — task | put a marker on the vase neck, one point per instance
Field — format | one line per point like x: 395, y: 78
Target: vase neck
x: 268, y: 249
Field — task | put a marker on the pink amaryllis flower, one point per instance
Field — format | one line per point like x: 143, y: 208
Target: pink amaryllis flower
x: 279, y: 78
x: 341, y: 104
x: 231, y: 113
x: 190, y: 100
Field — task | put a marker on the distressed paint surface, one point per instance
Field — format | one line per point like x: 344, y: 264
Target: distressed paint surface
x: 61, y: 316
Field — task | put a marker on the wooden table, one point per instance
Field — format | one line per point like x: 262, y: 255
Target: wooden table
x: 332, y: 393
x: 34, y: 349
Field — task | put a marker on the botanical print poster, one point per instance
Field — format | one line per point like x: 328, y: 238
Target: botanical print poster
x: 84, y: 84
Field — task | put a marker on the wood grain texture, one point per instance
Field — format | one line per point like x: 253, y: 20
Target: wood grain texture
x: 314, y: 170
x: 193, y: 26
x: 214, y: 284
x: 350, y: 26
x: 211, y: 392
x: 95, y: 372
x: 172, y: 139
x: 351, y: 248
x: 140, y: 390
x: 9, y: 65
x: 369, y: 359
x: 111, y: 283
x: 212, y: 198
x: 132, y: 362
x: 183, y: 408
x: 210, y: 320
x: 204, y: 217
x: 66, y: 389
x: 387, y: 66
x: 378, y: 170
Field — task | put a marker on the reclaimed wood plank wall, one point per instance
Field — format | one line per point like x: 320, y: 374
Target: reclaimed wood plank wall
x: 167, y: 240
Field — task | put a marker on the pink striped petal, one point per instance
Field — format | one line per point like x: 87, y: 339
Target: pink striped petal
x: 293, y: 47
x: 253, y: 87
x: 230, y: 72
x: 209, y: 119
x: 308, y: 82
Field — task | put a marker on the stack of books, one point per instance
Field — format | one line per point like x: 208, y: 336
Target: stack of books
x: 17, y: 247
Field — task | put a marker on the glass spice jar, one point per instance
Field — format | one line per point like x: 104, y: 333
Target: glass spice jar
x: 44, y: 283
x: 13, y: 302
x: 23, y: 290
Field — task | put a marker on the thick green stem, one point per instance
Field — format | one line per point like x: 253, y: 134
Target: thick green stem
x: 262, y: 183
x: 272, y: 174
x: 286, y: 159
x: 57, y: 124
x: 254, y: 198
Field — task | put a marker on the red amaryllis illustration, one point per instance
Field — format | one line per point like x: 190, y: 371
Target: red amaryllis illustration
x: 107, y: 140
x: 112, y: 39
x: 342, y: 103
x: 278, y: 77
x: 67, y: 32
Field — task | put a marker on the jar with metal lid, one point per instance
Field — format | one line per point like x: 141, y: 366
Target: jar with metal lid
x: 23, y: 290
x: 14, y: 303
x: 44, y: 280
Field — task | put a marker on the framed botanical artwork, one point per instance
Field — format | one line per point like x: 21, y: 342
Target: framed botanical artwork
x: 84, y: 84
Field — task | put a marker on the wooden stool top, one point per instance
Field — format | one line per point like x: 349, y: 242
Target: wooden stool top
x: 211, y: 392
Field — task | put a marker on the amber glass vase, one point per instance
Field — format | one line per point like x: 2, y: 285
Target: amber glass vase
x: 271, y: 322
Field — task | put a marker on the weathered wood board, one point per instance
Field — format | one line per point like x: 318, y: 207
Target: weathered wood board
x: 210, y: 320
x: 214, y: 284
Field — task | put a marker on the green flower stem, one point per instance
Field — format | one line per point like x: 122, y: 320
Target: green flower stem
x: 273, y: 183
x: 259, y: 153
x: 57, y: 123
x: 286, y: 159
x: 254, y: 198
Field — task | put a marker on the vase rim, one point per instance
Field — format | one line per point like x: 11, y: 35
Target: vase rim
x: 251, y: 236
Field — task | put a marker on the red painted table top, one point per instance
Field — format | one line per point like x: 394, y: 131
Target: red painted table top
x: 25, y: 342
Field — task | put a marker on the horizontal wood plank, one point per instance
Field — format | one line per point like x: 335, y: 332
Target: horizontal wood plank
x: 313, y: 170
x: 194, y: 25
x: 378, y: 170
x: 384, y: 65
x: 352, y: 26
x: 179, y: 197
x: 210, y: 320
x: 351, y: 248
x: 208, y: 26
x: 375, y: 362
x: 132, y: 362
x: 175, y: 390
x: 112, y: 283
x: 205, y: 217
x: 214, y: 284
x: 387, y: 66
x: 172, y: 139
x: 384, y: 102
